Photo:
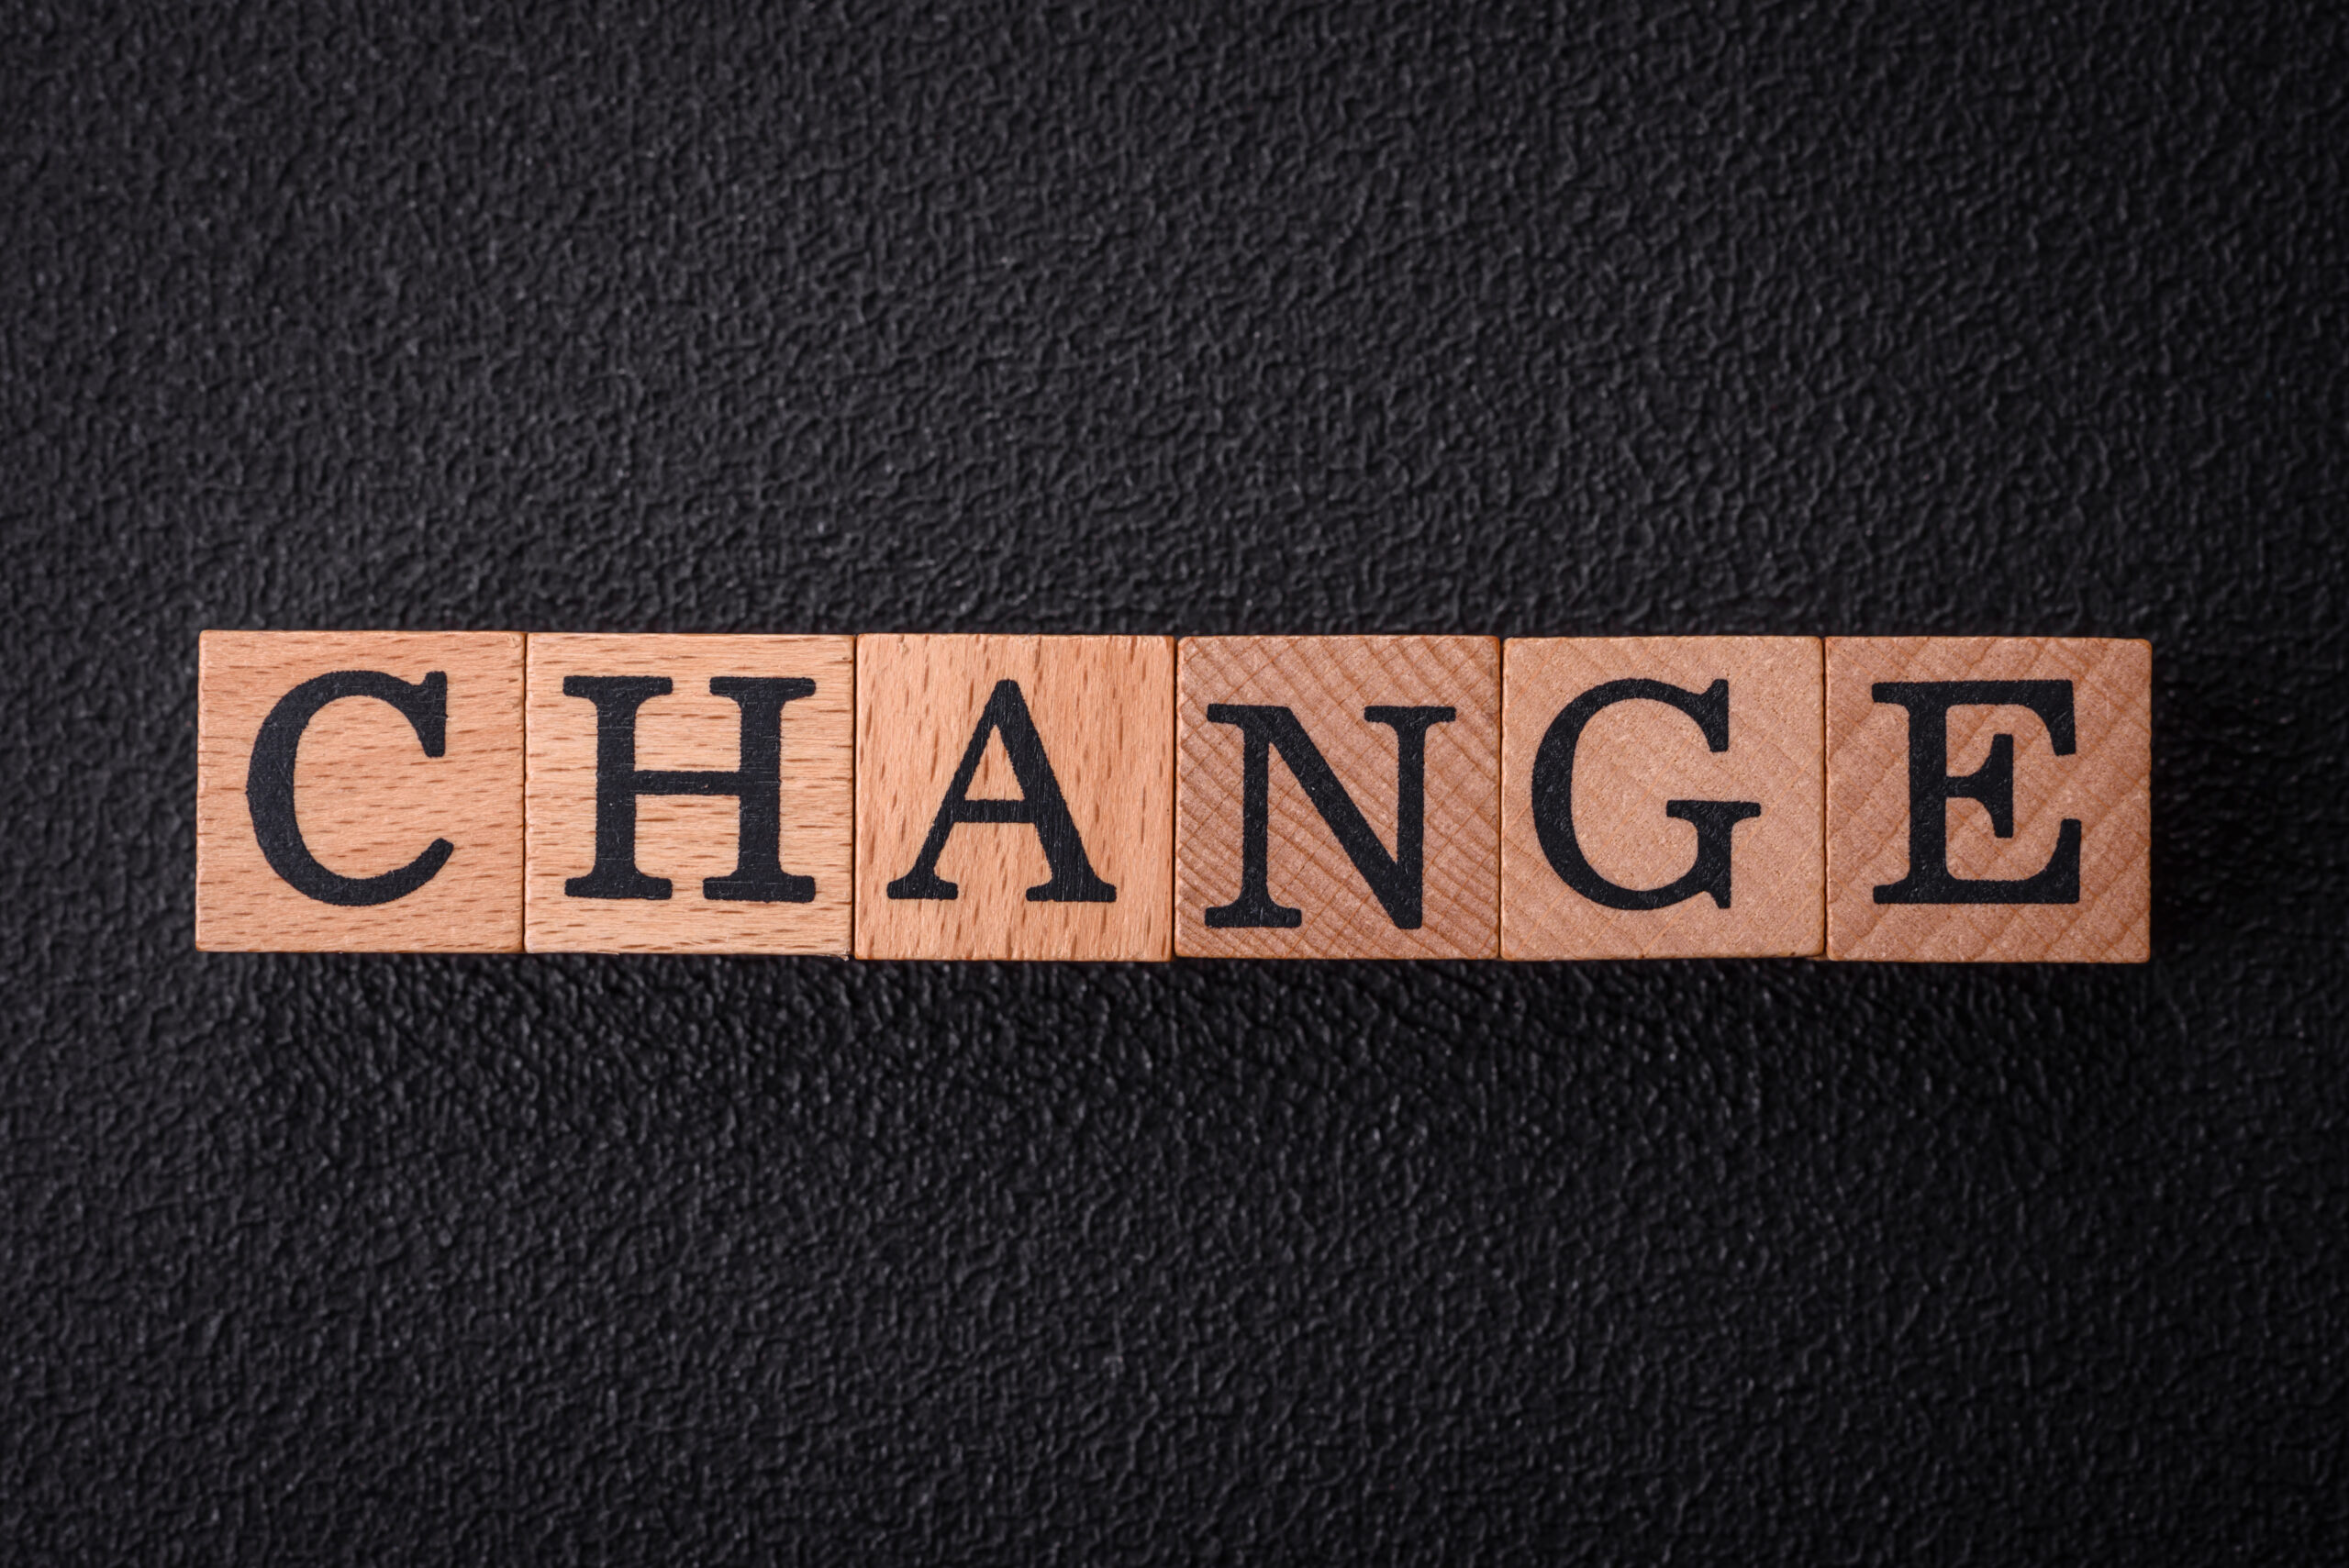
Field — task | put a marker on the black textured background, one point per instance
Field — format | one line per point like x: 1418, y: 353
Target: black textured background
x: 1788, y: 318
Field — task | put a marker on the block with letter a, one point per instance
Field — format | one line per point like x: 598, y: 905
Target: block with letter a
x: 1661, y: 798
x: 690, y: 793
x: 1338, y: 797
x: 1015, y: 796
x: 359, y: 791
x: 1988, y: 798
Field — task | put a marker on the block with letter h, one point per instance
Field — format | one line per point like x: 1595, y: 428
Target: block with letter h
x: 690, y: 793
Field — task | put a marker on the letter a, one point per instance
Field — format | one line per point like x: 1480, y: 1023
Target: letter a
x: 1040, y: 806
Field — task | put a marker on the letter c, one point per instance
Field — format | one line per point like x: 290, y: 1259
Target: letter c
x: 269, y: 782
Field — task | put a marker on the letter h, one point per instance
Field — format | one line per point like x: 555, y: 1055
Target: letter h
x: 757, y: 876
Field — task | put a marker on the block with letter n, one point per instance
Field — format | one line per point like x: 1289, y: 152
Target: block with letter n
x: 1338, y: 797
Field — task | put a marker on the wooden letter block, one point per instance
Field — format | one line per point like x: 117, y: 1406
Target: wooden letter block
x: 359, y: 792
x: 690, y: 793
x: 1661, y: 798
x: 1988, y: 798
x: 1015, y: 796
x: 1338, y: 797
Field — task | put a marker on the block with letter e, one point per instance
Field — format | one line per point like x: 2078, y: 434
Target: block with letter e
x: 359, y: 791
x: 1015, y: 796
x: 1988, y: 798
x: 1338, y: 797
x: 1661, y: 798
x: 690, y: 793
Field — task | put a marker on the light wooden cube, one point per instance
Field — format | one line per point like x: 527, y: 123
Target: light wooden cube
x: 1015, y: 796
x: 1988, y: 798
x: 359, y: 792
x: 1661, y: 798
x: 690, y: 793
x: 1338, y: 797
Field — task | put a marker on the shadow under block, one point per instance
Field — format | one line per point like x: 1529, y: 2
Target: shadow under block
x: 1338, y: 797
x: 1621, y: 823
x: 690, y: 793
x: 359, y: 792
x: 1015, y: 796
x: 1955, y: 764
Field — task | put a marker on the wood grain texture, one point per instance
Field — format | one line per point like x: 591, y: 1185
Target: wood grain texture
x: 2104, y: 784
x: 687, y: 839
x: 1327, y: 683
x: 1636, y: 756
x: 1102, y: 709
x: 368, y: 799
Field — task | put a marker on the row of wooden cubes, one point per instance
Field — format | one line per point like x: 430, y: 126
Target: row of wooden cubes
x: 1137, y: 798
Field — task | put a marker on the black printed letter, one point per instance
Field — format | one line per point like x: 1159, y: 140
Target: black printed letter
x: 1553, y: 798
x: 757, y: 876
x: 269, y: 782
x: 1396, y: 881
x: 1040, y: 806
x: 1931, y: 789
